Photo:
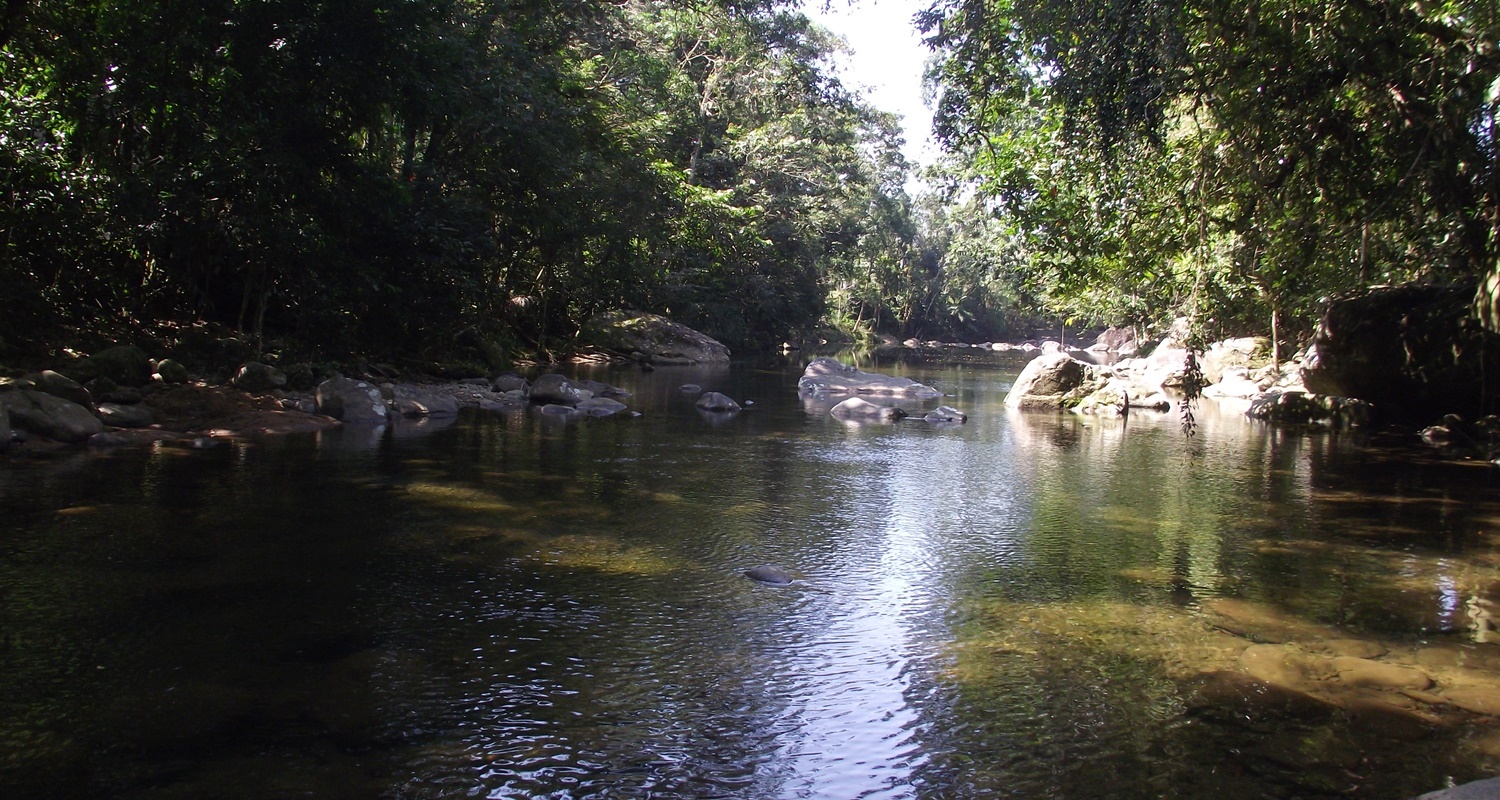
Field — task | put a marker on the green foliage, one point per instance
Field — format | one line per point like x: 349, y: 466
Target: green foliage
x: 1236, y: 161
x: 384, y: 175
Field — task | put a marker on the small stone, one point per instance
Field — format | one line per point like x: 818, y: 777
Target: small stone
x: 690, y: 388
x: 946, y: 414
x: 601, y: 406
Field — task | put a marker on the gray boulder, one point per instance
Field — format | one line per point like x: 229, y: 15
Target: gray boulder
x: 718, y: 403
x: 829, y: 376
x: 254, y: 376
x: 412, y: 401
x: 354, y: 402
x: 946, y: 414
x: 126, y: 365
x: 602, y: 407
x: 59, y: 385
x: 116, y: 415
x: 53, y: 417
x: 554, y: 389
x: 658, y: 339
x: 510, y: 382
x: 1115, y: 340
x: 858, y: 409
x: 1052, y: 382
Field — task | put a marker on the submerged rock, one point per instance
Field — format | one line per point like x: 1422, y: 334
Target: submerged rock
x: 717, y: 403
x: 769, y: 574
x: 829, y: 376
x: 602, y: 407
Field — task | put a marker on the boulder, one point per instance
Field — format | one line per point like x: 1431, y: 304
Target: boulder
x: 554, y: 389
x: 1249, y: 353
x: 126, y: 365
x: 1046, y: 381
x: 690, y: 388
x: 1110, y: 400
x: 59, y: 385
x: 602, y: 407
x: 53, y: 417
x: 658, y: 339
x: 857, y: 409
x: 509, y: 382
x: 412, y: 401
x: 718, y: 403
x: 354, y: 402
x: 829, y: 376
x: 125, y: 416
x: 1114, y: 340
x: 254, y: 376
x: 170, y: 371
x: 1413, y: 351
x: 946, y: 414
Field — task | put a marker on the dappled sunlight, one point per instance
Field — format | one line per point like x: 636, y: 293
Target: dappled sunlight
x: 600, y: 553
x: 457, y: 498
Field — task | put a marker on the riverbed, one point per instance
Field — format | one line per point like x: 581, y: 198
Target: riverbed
x: 510, y: 606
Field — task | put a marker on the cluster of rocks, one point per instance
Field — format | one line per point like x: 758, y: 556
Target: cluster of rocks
x: 827, y: 377
x: 105, y: 390
x: 1233, y: 369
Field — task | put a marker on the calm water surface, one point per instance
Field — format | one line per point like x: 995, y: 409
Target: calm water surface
x: 1020, y: 607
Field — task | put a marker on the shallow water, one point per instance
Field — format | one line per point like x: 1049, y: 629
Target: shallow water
x: 512, y: 607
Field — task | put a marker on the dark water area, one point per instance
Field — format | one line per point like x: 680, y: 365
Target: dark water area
x: 1022, y: 606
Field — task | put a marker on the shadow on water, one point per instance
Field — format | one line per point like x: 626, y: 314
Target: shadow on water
x: 1022, y: 606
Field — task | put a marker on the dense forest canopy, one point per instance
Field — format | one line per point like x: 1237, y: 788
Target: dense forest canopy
x: 387, y: 176
x: 1241, y: 160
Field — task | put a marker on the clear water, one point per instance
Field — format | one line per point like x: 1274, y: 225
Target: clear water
x: 1024, y: 606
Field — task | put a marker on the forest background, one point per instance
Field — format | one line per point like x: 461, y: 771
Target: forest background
x: 399, y: 178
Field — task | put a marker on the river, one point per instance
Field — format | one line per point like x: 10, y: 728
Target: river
x: 1023, y: 606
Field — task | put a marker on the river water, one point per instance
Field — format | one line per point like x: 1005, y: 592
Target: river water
x: 1023, y: 606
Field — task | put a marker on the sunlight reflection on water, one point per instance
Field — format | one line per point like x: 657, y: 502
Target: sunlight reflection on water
x: 1025, y: 605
